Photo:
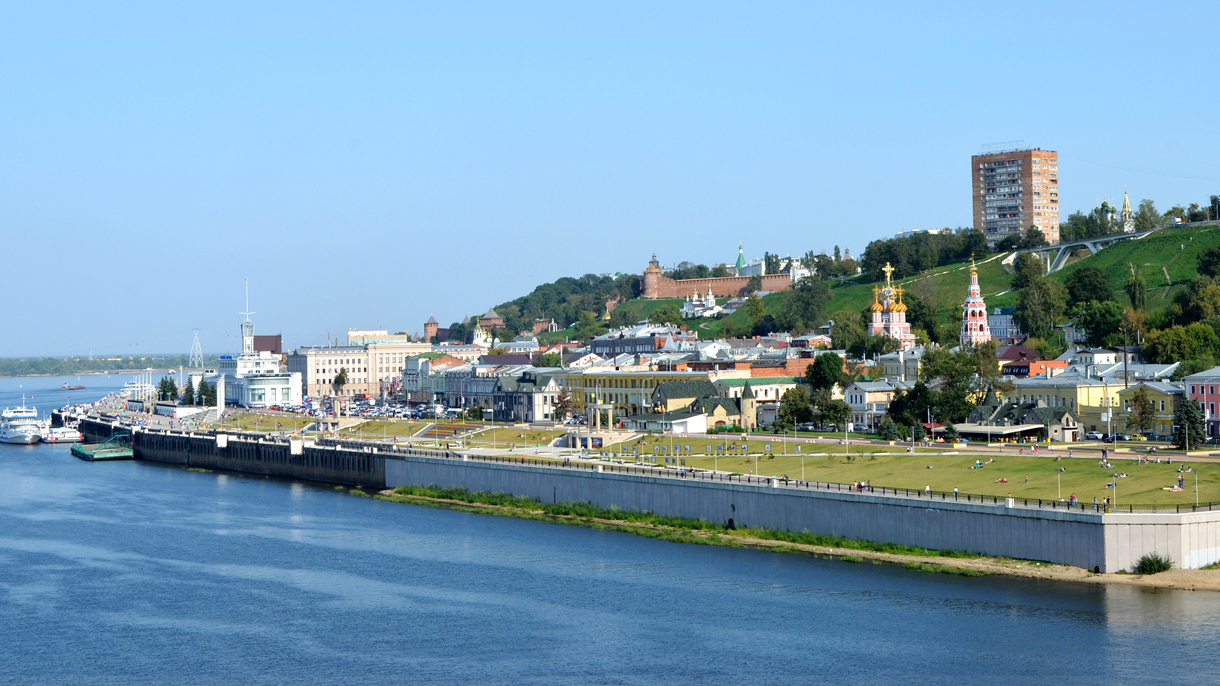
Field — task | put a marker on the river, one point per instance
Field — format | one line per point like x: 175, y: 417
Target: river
x: 136, y: 573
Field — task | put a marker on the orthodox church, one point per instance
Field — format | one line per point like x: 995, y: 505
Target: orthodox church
x: 699, y: 306
x: 890, y: 313
x: 975, y: 329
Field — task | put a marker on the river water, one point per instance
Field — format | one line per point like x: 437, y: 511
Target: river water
x: 118, y: 573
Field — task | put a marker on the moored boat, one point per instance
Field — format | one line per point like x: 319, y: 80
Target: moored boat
x: 60, y: 434
x: 20, y: 425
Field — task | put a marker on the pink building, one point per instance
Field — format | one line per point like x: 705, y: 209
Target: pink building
x: 975, y: 330
x: 890, y: 313
x: 1204, y: 388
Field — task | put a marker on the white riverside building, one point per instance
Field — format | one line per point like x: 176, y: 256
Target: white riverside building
x: 254, y: 379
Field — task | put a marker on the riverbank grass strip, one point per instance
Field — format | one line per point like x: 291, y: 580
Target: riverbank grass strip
x: 677, y: 529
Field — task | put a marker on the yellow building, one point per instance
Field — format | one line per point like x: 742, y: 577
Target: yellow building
x: 629, y: 392
x: 1090, y: 398
x: 1166, y: 397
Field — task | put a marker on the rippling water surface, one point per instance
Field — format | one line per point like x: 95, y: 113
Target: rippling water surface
x: 135, y: 573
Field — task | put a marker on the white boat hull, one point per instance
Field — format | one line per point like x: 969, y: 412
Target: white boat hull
x: 20, y: 438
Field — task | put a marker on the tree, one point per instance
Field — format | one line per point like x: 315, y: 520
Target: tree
x: 339, y: 381
x: 1137, y: 290
x: 551, y: 359
x: 755, y: 309
x: 889, y: 430
x: 1039, y: 306
x: 794, y: 407
x: 912, y: 405
x: 1100, y: 320
x: 588, y: 327
x: 1026, y: 269
x: 848, y: 333
x: 1179, y: 343
x: 754, y: 284
x: 918, y: 432
x: 825, y: 372
x: 1143, y: 412
x: 1189, y: 425
x: 730, y: 329
x: 720, y: 271
x: 188, y: 393
x: 1209, y: 262
x: 770, y: 263
x: 1033, y: 239
x: 1088, y: 283
x: 805, y: 304
x: 563, y: 404
x: 1147, y: 218
x: 208, y: 393
x: 835, y: 412
x: 666, y: 314
x: 475, y: 412
x: 950, y: 433
x: 167, y: 389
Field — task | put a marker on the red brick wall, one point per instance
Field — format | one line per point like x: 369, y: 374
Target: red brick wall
x: 725, y: 286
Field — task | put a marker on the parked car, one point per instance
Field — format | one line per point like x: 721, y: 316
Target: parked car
x: 1093, y: 435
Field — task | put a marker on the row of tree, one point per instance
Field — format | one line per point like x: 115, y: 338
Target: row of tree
x: 921, y: 251
x: 204, y: 395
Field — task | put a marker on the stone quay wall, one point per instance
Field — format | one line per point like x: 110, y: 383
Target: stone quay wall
x: 1108, y: 542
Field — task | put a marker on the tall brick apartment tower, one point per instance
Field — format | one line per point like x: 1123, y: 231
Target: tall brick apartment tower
x: 1013, y: 189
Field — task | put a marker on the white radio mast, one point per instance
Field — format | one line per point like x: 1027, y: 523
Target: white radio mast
x: 196, y: 360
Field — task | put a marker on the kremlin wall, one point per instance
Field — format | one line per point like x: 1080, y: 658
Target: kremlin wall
x: 657, y: 285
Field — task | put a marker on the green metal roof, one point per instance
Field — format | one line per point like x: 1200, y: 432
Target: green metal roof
x: 761, y: 380
x: 696, y: 388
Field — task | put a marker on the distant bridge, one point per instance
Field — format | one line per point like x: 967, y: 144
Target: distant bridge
x: 1064, y: 250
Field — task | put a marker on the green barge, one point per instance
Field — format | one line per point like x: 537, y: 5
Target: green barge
x: 117, y: 447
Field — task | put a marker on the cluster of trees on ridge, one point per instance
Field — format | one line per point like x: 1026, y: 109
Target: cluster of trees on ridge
x: 66, y: 366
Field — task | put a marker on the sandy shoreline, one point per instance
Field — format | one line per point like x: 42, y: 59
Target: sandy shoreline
x: 1180, y: 579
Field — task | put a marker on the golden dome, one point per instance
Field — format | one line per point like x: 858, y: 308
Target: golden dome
x: 877, y: 307
x: 899, y: 307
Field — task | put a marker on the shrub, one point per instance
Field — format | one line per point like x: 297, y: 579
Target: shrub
x: 1153, y: 563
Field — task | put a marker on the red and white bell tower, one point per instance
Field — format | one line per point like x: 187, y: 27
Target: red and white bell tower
x: 975, y: 329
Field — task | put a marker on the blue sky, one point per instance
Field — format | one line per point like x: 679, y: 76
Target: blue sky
x: 369, y: 164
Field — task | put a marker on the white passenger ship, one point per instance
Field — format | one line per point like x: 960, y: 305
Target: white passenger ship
x: 20, y: 425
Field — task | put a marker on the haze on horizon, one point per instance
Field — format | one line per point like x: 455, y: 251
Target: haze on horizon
x: 367, y: 165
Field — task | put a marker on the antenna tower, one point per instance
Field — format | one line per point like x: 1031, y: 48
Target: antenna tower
x: 196, y: 361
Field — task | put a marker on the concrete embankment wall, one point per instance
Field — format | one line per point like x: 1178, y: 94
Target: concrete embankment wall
x: 1109, y: 542
x: 359, y: 467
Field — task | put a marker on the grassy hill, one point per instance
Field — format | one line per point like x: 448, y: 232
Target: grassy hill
x: 1167, y: 259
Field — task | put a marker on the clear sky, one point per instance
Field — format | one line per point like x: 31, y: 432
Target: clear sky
x: 369, y: 164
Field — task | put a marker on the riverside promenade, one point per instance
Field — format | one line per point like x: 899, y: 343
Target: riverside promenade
x: 1051, y: 531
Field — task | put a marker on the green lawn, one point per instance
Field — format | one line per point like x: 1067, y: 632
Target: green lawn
x: 501, y: 437
x: 1084, y: 476
x: 384, y: 429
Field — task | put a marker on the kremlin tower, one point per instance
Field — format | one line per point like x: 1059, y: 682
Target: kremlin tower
x: 890, y: 313
x: 975, y: 330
